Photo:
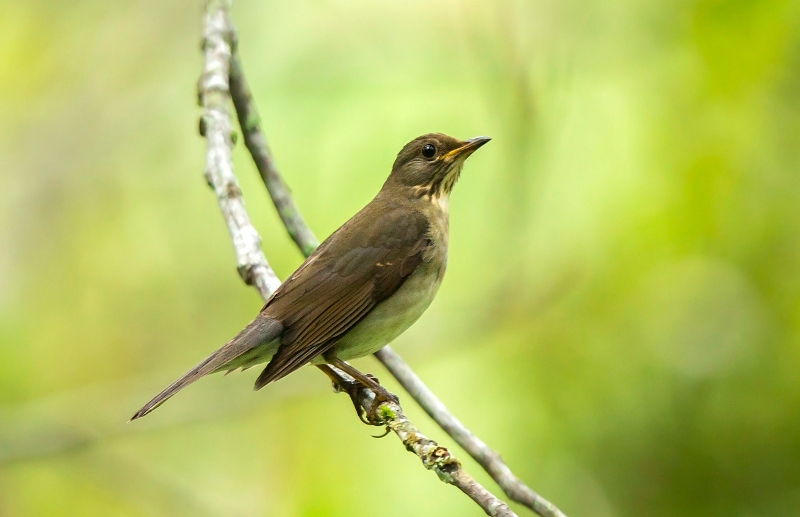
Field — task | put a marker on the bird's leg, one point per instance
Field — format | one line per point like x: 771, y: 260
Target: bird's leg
x: 347, y: 386
x: 370, y: 382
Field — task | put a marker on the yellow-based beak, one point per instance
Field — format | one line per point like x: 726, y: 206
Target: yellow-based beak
x: 469, y: 147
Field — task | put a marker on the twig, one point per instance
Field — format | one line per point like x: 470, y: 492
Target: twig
x: 434, y: 457
x: 490, y: 460
x: 256, y: 143
x: 215, y: 125
x: 255, y: 270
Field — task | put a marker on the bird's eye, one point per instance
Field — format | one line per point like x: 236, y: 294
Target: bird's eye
x: 428, y: 151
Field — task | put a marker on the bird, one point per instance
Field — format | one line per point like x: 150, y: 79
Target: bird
x: 367, y: 283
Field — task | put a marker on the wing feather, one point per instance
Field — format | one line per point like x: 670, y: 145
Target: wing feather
x: 362, y: 263
x: 291, y: 357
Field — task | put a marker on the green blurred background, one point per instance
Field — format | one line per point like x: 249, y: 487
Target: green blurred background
x: 621, y: 314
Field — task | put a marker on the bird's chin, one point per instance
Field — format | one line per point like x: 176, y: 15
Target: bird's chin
x: 451, y: 177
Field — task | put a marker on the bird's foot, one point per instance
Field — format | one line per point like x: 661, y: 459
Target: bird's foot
x: 372, y: 415
x: 352, y: 389
x: 375, y: 413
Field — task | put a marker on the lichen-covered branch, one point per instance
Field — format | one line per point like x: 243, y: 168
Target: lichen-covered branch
x: 215, y: 124
x: 434, y: 457
x: 490, y: 460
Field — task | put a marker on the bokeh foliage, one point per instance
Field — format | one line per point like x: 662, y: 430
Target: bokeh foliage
x: 622, y: 309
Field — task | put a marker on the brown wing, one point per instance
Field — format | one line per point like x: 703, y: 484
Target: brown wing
x: 362, y: 263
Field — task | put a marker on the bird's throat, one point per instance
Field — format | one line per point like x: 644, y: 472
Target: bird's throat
x: 442, y: 200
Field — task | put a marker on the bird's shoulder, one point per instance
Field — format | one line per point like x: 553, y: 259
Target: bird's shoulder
x: 373, y: 252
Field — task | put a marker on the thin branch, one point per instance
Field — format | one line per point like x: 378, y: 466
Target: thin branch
x: 253, y: 266
x: 256, y: 143
x: 215, y: 125
x: 434, y: 457
x: 490, y: 460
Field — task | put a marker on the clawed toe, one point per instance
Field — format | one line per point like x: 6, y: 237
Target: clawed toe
x: 352, y: 388
x: 371, y: 415
x: 382, y: 396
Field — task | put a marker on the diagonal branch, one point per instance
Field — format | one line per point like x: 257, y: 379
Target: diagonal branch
x: 214, y: 93
x: 256, y: 143
x: 215, y: 125
x: 490, y: 460
x: 434, y: 457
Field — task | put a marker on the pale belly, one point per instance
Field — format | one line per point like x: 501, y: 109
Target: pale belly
x: 391, y: 317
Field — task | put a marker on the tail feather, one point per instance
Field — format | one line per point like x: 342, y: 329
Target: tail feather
x: 258, y: 332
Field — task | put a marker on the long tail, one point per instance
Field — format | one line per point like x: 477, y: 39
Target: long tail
x: 260, y: 331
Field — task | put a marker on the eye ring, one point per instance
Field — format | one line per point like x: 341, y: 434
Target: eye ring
x: 428, y: 151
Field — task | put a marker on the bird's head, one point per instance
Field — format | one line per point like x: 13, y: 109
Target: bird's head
x: 431, y: 164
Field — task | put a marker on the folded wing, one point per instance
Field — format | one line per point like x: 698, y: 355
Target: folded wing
x: 338, y: 285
